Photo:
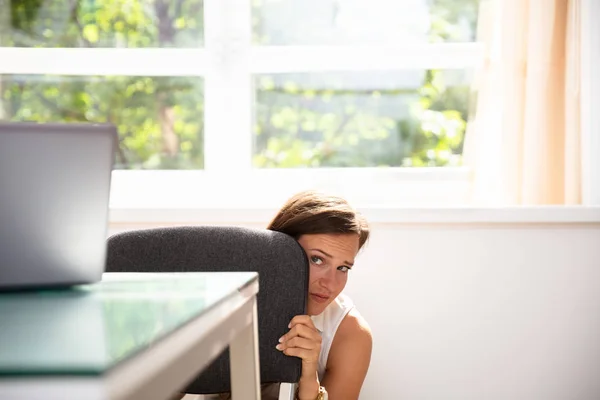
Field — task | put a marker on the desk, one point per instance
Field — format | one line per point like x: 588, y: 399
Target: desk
x: 129, y: 337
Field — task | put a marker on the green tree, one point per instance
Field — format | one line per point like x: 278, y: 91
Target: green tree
x: 423, y: 125
x: 313, y: 120
x: 301, y: 120
x: 160, y: 120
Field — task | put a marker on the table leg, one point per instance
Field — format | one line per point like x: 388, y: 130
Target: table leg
x: 244, y: 359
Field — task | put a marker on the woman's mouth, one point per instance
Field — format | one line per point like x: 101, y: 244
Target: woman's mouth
x: 319, y: 298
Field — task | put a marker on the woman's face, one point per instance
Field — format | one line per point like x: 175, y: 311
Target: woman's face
x: 330, y: 257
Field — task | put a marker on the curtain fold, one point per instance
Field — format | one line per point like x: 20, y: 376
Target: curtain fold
x: 523, y: 142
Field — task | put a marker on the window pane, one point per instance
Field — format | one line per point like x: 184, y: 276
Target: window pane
x: 103, y: 23
x: 160, y: 120
x: 359, y: 22
x: 365, y: 119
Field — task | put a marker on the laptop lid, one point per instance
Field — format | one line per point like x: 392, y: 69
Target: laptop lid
x: 54, y: 193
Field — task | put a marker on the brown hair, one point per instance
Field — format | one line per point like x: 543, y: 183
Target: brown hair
x: 312, y: 212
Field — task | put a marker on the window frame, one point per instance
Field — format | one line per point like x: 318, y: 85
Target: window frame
x: 228, y: 61
x: 590, y: 95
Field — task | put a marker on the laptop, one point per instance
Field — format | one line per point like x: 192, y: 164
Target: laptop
x: 54, y: 193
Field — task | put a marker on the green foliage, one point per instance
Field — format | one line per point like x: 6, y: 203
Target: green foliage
x: 311, y: 120
x: 107, y: 23
x: 449, y: 18
x: 310, y: 126
x: 159, y: 120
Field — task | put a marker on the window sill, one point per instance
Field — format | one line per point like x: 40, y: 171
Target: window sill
x: 375, y: 215
x: 384, y: 196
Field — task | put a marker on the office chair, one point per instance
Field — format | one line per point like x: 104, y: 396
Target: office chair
x: 283, y: 284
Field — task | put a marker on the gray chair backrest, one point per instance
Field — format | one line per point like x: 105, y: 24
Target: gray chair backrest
x: 283, y: 283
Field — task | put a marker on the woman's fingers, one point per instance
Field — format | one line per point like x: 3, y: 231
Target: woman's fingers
x: 302, y: 319
x: 299, y: 342
x: 305, y: 355
x: 303, y: 340
x: 302, y: 331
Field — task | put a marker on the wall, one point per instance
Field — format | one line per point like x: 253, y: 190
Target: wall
x: 473, y: 304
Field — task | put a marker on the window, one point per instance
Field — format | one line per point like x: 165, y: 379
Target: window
x: 159, y: 119
x: 590, y: 93
x: 363, y: 83
x: 72, y: 63
x: 264, y: 95
x: 408, y: 118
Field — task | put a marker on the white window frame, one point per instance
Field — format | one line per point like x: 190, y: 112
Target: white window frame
x: 590, y: 98
x: 227, y: 63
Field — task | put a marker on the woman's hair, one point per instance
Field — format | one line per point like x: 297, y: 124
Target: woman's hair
x: 313, y: 212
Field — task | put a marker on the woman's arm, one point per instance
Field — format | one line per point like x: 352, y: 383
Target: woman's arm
x: 304, y: 341
x: 349, y: 358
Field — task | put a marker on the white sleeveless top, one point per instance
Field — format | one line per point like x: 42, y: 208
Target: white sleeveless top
x: 327, y: 323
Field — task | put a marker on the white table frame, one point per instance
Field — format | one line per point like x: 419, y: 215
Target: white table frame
x: 164, y: 369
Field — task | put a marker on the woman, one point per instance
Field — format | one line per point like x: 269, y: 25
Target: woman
x: 333, y: 340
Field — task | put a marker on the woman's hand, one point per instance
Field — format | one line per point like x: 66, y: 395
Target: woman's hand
x: 304, y: 341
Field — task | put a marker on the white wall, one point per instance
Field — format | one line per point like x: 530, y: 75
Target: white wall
x: 482, y: 312
x: 477, y: 304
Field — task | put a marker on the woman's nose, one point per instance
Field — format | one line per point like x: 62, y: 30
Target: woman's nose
x: 329, y: 275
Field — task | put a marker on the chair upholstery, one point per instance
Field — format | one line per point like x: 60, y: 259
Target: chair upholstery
x: 283, y: 283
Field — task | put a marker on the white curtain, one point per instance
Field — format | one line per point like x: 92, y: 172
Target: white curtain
x: 524, y: 141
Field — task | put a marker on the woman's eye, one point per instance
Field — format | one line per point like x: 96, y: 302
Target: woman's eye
x: 316, y: 260
x: 343, y: 268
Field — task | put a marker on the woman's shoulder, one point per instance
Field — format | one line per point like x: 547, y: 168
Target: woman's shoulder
x: 353, y: 342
